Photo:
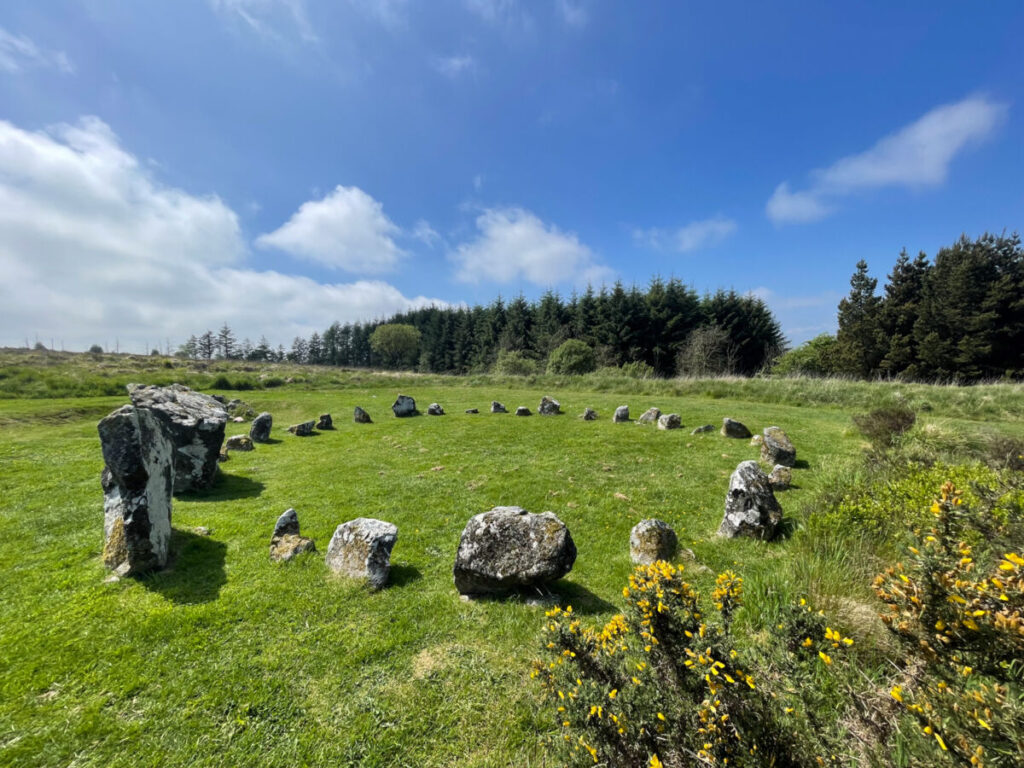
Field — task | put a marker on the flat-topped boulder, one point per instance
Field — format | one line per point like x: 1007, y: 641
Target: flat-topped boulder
x: 652, y: 540
x: 361, y: 549
x: 670, y: 421
x: 404, y: 406
x: 325, y: 421
x: 435, y: 409
x: 777, y: 448
x: 304, y: 429
x: 195, y: 423
x: 472, y: 410
x: 497, y: 407
x: 260, y: 428
x: 509, y: 549
x: 621, y: 414
x: 239, y: 443
x: 287, y: 542
x: 733, y: 428
x: 751, y: 508
x: 522, y: 410
x: 138, y: 480
x: 549, y: 406
x: 359, y: 416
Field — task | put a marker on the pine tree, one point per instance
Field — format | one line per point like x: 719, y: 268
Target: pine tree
x: 899, y: 311
x: 206, y: 345
x: 860, y: 347
x: 225, y: 342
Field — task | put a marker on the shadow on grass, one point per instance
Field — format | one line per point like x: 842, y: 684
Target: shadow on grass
x: 195, y: 572
x: 801, y: 464
x: 270, y: 441
x: 226, y: 487
x: 581, y: 599
x: 403, y: 574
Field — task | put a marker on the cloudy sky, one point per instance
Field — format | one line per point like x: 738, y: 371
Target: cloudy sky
x: 280, y: 164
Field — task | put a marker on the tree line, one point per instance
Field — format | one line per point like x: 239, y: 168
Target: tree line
x: 667, y: 328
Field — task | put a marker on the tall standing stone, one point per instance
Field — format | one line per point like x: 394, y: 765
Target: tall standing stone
x: 138, y: 481
x: 751, y: 508
x: 260, y: 428
x: 361, y: 549
x: 621, y: 414
x: 777, y: 448
x: 195, y: 423
x: 325, y: 421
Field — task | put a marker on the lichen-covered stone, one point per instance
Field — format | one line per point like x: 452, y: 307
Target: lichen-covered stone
x: 435, y: 409
x: 239, y: 409
x: 705, y: 428
x: 239, y: 443
x: 508, y: 549
x: 777, y: 448
x: 757, y: 439
x: 589, y: 414
x: 497, y: 407
x: 305, y: 429
x: 260, y: 428
x: 733, y: 428
x: 325, y: 421
x: 522, y: 410
x: 359, y: 416
x: 287, y: 523
x: 287, y: 542
x: 781, y: 477
x: 138, y: 481
x: 361, y: 549
x: 195, y: 423
x: 650, y: 416
x: 670, y: 421
x: 621, y: 414
x: 751, y: 508
x: 652, y: 540
x: 404, y: 406
x: 549, y: 406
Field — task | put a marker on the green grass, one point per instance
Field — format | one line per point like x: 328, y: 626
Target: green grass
x: 228, y: 659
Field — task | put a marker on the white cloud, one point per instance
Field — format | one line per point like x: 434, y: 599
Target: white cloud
x: 271, y: 18
x: 508, y: 14
x: 514, y: 244
x: 478, y: 182
x: 695, y: 235
x: 573, y: 13
x: 454, y: 66
x: 19, y: 53
x: 917, y: 155
x: 93, y: 248
x: 425, y: 233
x: 346, y: 230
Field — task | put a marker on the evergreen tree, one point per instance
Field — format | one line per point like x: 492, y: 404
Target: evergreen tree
x: 898, y: 314
x: 315, y: 350
x: 860, y: 347
x: 225, y: 342
x: 206, y: 345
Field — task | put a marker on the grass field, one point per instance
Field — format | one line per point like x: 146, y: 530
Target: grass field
x: 228, y: 659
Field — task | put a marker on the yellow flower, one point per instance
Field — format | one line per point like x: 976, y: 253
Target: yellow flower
x: 655, y: 762
x: 614, y: 692
x: 825, y: 657
x: 897, y: 693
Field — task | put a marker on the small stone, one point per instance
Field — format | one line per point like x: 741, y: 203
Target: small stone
x: 549, y: 406
x: 650, y: 416
x: 777, y: 448
x: 781, y: 477
x: 435, y: 409
x: 621, y: 414
x: 201, y: 530
x: 325, y: 421
x: 259, y: 430
x: 732, y: 428
x: 305, y: 429
x: 757, y: 439
x: 472, y: 410
x: 670, y: 421
x: 239, y: 443
x: 359, y: 416
x: 650, y: 541
x: 289, y: 546
x: 589, y: 414
x: 522, y: 410
x: 705, y: 428
x: 287, y: 523
x: 361, y: 549
x: 404, y: 406
x: 751, y: 508
x: 497, y: 407
x: 238, y: 420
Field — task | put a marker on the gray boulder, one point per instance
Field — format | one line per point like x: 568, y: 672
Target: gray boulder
x: 549, y: 406
x: 751, y: 508
x: 195, y: 423
x: 404, y: 406
x: 259, y: 430
x: 732, y: 428
x: 305, y: 429
x: 589, y: 414
x: 497, y: 407
x: 670, y: 421
x: 138, y: 480
x: 359, y: 416
x: 325, y: 421
x: 621, y: 414
x: 238, y: 443
x: 509, y: 549
x: 361, y: 549
x: 239, y: 408
x: 287, y: 543
x: 472, y: 410
x: 522, y: 410
x: 705, y: 428
x: 650, y: 416
x: 757, y: 439
x: 435, y: 409
x: 781, y: 477
x: 777, y: 448
x: 652, y: 540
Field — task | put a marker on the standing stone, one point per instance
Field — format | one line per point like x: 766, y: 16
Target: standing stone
x: 522, y: 410
x: 509, y: 549
x: 777, y: 448
x: 652, y: 540
x: 325, y: 421
x: 589, y: 414
x: 404, y: 406
x: 751, y: 508
x: 138, y: 481
x: 435, y: 409
x: 732, y: 428
x: 670, y: 421
x: 781, y: 477
x: 286, y: 542
x: 195, y: 423
x: 705, y: 428
x: 361, y: 549
x: 238, y: 443
x: 621, y: 414
x: 650, y: 416
x: 305, y: 429
x: 259, y: 430
x: 549, y: 406
x: 472, y: 410
x: 497, y: 407
x: 359, y: 416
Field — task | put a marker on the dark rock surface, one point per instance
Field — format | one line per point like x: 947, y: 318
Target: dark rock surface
x: 260, y: 428
x: 751, y: 508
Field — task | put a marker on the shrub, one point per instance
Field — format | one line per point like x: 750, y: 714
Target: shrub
x: 572, y: 357
x: 512, y: 362
x: 96, y: 349
x: 817, y: 357
x: 885, y: 426
x: 637, y: 369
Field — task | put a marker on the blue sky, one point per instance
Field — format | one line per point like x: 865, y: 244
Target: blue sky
x: 279, y: 164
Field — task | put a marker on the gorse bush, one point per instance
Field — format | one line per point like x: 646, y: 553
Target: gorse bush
x: 885, y: 426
